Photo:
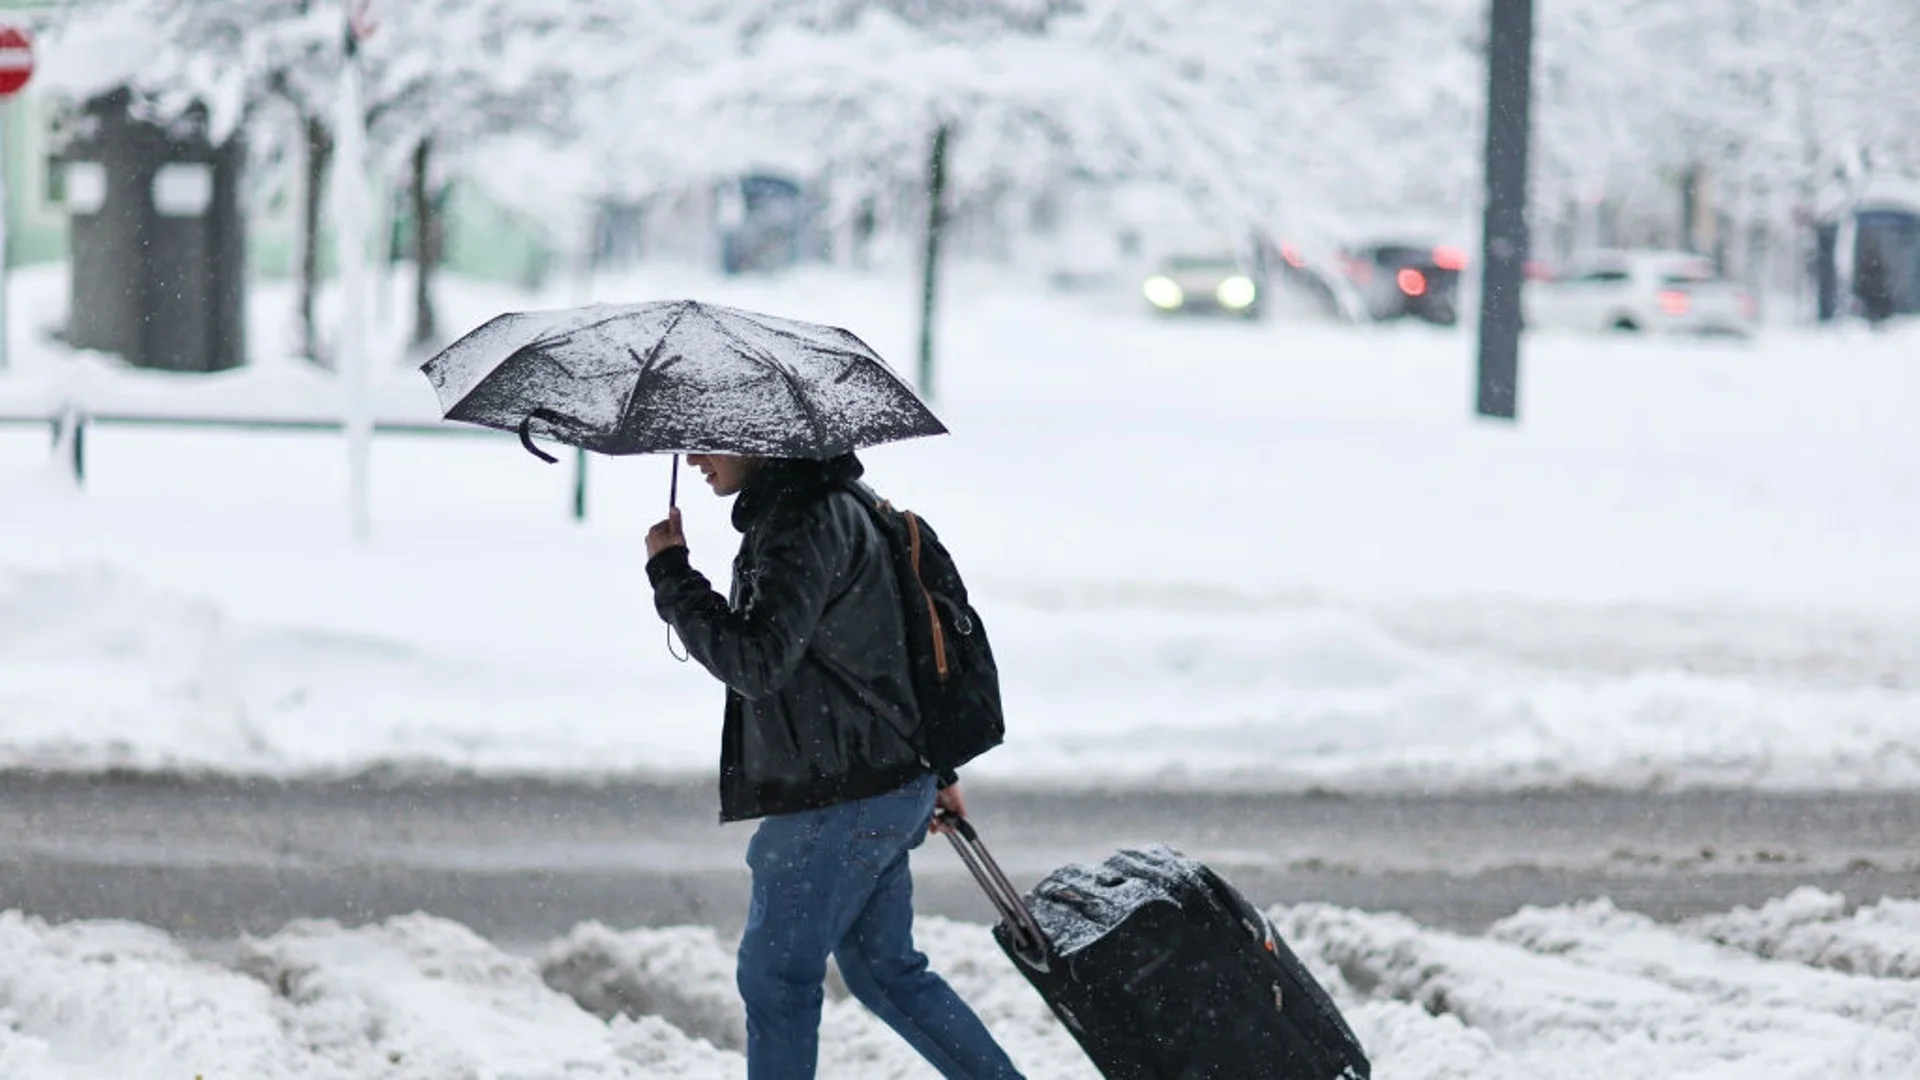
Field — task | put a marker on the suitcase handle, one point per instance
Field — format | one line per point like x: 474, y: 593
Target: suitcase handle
x: 1030, y: 943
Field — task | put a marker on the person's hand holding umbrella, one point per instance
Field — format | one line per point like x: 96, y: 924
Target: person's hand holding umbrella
x: 666, y: 534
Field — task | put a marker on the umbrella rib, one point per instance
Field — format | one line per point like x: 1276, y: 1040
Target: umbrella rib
x: 646, y: 365
x: 884, y: 368
x: 621, y: 311
x: 811, y: 345
x: 792, y: 383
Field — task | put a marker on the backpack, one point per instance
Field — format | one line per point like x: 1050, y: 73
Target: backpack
x: 955, y: 680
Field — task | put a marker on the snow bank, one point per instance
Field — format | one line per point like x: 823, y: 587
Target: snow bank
x: 1592, y: 991
x: 273, y: 652
x: 1555, y: 994
x: 421, y: 997
x: 101, y: 669
x: 1815, y: 928
x: 1269, y: 557
x: 681, y: 974
x: 86, y: 1000
x: 685, y: 975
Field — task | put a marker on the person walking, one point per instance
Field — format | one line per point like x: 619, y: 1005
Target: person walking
x: 817, y: 742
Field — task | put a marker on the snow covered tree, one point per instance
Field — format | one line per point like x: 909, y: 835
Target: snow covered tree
x: 872, y: 89
x: 434, y: 71
x: 984, y: 100
x: 1288, y: 115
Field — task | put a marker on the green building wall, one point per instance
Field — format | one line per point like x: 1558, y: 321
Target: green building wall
x: 482, y: 239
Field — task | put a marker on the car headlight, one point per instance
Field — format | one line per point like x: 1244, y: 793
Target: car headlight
x: 1164, y: 293
x: 1237, y: 293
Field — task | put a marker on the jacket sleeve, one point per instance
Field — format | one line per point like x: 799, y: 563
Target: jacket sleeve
x: 755, y: 651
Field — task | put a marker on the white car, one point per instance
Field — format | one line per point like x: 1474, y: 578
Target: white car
x: 1211, y: 283
x: 1628, y: 291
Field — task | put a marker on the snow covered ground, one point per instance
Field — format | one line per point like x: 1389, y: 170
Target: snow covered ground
x: 1803, y: 989
x: 1268, y: 556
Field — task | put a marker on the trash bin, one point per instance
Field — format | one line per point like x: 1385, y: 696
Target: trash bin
x: 157, y: 237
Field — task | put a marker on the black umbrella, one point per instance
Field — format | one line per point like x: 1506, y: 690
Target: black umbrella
x: 676, y: 377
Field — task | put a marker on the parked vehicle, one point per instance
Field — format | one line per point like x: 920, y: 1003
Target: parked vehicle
x: 1399, y: 279
x: 1635, y: 291
x: 1205, y: 283
x: 1308, y: 285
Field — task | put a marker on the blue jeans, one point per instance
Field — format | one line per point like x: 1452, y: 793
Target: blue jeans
x: 835, y: 882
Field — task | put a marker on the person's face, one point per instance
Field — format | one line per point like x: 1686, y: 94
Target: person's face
x: 725, y: 473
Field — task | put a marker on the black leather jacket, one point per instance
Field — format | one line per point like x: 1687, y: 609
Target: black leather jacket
x: 811, y: 647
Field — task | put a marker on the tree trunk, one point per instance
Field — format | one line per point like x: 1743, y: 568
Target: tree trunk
x: 319, y: 157
x: 936, y: 224
x: 1692, y: 187
x: 426, y: 247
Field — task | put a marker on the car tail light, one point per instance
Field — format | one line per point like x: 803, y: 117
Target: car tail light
x: 1449, y: 258
x: 1749, y: 307
x: 1412, y: 282
x: 1291, y: 255
x: 1675, y: 302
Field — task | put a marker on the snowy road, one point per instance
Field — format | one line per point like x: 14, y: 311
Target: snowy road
x: 526, y: 861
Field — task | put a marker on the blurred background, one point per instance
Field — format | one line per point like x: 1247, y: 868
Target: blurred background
x: 1328, y: 156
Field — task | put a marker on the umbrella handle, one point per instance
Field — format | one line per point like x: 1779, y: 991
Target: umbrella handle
x: 673, y: 500
x: 526, y: 434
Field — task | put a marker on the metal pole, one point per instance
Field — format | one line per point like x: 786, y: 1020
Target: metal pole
x: 1504, y: 243
x: 5, y: 108
x: 936, y: 224
x: 71, y: 423
x: 580, y: 484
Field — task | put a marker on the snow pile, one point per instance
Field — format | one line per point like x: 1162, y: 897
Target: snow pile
x: 681, y: 974
x: 99, y: 669
x: 1589, y: 990
x: 966, y: 955
x: 1814, y: 927
x: 422, y: 997
x: 86, y: 1000
x: 685, y: 975
x: 1297, y: 694
x: 416, y: 998
x: 284, y: 655
x: 1557, y: 994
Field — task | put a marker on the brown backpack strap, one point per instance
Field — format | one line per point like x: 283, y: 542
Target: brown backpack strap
x: 933, y: 611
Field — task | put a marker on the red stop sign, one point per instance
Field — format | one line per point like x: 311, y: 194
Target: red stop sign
x: 16, y: 59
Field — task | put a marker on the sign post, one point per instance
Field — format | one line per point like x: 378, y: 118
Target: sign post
x: 16, y: 67
x: 1504, y: 251
x: 353, y: 346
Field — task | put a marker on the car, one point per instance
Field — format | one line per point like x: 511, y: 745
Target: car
x: 1402, y: 278
x: 1630, y: 291
x: 1205, y: 283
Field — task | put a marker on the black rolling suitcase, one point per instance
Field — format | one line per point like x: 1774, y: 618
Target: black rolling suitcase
x: 1163, y: 971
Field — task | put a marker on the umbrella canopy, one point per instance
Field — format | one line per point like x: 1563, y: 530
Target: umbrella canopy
x: 677, y: 377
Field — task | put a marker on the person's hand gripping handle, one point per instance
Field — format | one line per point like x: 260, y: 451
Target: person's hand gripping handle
x: 666, y: 534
